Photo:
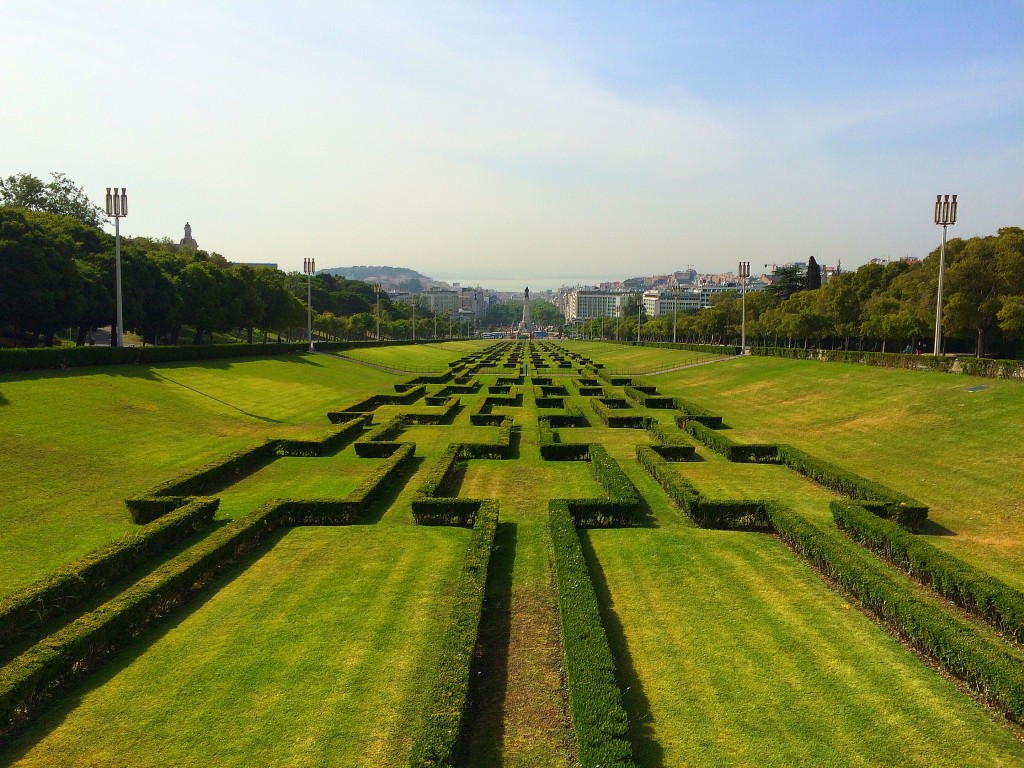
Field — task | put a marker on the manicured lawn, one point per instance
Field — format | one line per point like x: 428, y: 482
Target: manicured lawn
x: 733, y: 652
x: 418, y: 357
x: 640, y: 360
x: 316, y: 650
x: 314, y: 654
x: 922, y: 433
x: 74, y: 445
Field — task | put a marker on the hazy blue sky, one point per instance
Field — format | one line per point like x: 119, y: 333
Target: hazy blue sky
x: 528, y: 141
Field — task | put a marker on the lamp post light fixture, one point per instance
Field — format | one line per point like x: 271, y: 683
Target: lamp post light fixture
x: 945, y: 216
x: 376, y: 288
x: 639, y: 315
x: 744, y: 276
x: 117, y: 206
x: 675, y: 309
x: 309, y: 267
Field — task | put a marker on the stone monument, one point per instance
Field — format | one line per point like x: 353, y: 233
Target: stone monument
x: 525, y: 325
x: 187, y: 240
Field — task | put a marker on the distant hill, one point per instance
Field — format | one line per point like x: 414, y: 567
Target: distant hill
x: 379, y: 274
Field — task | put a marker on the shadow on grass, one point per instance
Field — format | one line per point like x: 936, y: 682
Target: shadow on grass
x: 59, y: 710
x: 4, y: 400
x: 931, y: 528
x: 646, y: 750
x: 515, y: 438
x: 169, y: 380
x: 392, y: 491
x: 483, y: 738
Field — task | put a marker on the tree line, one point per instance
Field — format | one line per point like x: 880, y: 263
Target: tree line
x: 880, y: 306
x: 57, y: 274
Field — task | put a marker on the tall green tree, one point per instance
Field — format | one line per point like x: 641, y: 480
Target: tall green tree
x: 60, y: 196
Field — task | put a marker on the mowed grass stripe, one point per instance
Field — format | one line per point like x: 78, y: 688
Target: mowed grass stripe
x: 745, y: 657
x: 294, y: 659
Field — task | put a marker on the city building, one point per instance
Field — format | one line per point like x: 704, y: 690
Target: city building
x: 586, y: 304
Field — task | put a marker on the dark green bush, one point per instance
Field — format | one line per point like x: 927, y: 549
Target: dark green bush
x: 747, y: 453
x: 692, y: 412
x: 963, y: 584
x: 448, y: 701
x: 598, y: 717
x: 899, y: 507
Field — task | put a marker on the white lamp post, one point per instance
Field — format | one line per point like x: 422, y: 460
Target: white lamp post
x: 675, y: 309
x: 376, y: 287
x: 309, y: 267
x: 744, y: 276
x: 117, y: 206
x: 945, y: 216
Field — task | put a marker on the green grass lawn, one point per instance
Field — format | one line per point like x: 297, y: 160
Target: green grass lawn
x: 624, y: 357
x: 418, y: 357
x: 920, y: 432
x: 733, y: 652
x: 314, y: 654
x: 74, y: 445
x: 315, y: 651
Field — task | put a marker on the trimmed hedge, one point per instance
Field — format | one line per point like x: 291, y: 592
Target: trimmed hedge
x: 646, y: 399
x: 747, y: 453
x: 551, y: 449
x: 899, y: 507
x: 500, y: 449
x: 618, y: 417
x: 230, y: 469
x: 666, y: 436
x: 706, y: 513
x: 986, y: 666
x: 997, y: 603
x: 692, y: 412
x: 375, y: 401
x: 430, y: 507
x: 621, y: 508
x: 23, y: 613
x: 599, y: 720
x: 29, y: 681
x: 448, y: 703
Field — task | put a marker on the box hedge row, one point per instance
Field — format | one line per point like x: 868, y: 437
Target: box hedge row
x: 230, y: 469
x: 748, y: 453
x: 618, y: 417
x: 971, y: 366
x: 30, y: 680
x: 645, y: 399
x: 706, y: 513
x: 599, y: 720
x: 692, y: 412
x: 899, y: 507
x: 448, y: 701
x: 972, y: 589
x: 23, y: 613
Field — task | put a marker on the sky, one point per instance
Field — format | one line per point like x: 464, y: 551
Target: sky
x: 534, y: 142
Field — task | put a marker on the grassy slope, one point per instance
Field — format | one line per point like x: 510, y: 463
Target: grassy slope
x: 922, y: 433
x: 433, y: 357
x: 292, y: 661
x: 623, y: 357
x: 74, y: 444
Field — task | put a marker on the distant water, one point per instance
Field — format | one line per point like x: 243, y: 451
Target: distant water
x: 516, y: 284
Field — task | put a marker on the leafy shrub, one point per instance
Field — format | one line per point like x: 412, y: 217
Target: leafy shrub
x: 963, y: 584
x: 448, y: 701
x: 598, y: 717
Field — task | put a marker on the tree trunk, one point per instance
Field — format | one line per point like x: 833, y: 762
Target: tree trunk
x: 83, y: 333
x: 981, y: 343
x: 198, y: 338
x: 249, y: 332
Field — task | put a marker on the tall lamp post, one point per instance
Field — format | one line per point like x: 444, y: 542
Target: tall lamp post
x: 117, y: 206
x: 639, y: 315
x: 744, y: 276
x: 945, y: 216
x: 309, y: 267
x: 415, y: 299
x: 376, y: 288
x: 675, y: 309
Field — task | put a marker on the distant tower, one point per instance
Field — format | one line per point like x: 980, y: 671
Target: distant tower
x: 187, y: 240
x: 526, y: 325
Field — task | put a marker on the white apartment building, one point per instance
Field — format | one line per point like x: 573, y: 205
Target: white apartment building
x: 582, y: 304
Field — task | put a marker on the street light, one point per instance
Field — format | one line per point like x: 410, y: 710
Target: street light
x: 744, y: 276
x: 945, y: 216
x: 376, y: 288
x: 309, y: 267
x: 117, y: 206
x: 639, y: 315
x: 675, y: 309
x: 415, y: 299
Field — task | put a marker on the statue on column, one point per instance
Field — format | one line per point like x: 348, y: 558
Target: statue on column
x: 187, y: 240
